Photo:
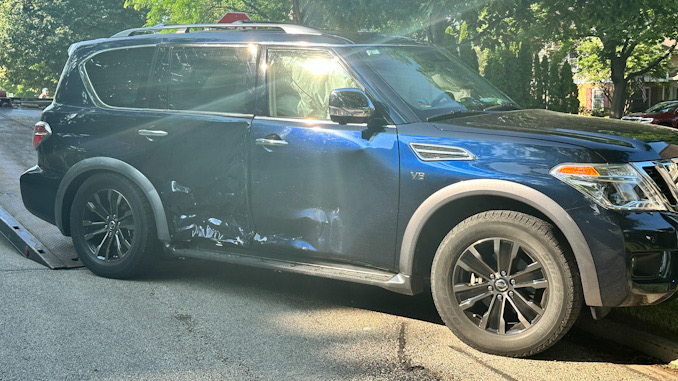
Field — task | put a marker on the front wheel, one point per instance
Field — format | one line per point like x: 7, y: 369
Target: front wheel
x: 112, y: 226
x: 504, y: 285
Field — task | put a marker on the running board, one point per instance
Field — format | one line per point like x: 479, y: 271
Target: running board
x: 26, y: 243
x: 399, y: 283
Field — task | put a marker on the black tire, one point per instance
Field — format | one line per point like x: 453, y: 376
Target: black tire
x: 520, y: 312
x: 113, y: 227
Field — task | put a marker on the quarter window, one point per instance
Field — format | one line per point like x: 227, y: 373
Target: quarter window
x: 218, y: 79
x: 300, y: 82
x: 120, y: 77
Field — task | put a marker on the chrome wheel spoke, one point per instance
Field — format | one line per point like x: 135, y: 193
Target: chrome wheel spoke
x: 91, y: 235
x: 506, y: 252
x: 99, y: 211
x: 100, y: 206
x: 101, y: 245
x: 470, y: 302
x: 521, y: 317
x: 89, y: 224
x: 495, y: 316
x: 472, y: 262
x: 538, y: 283
x: 467, y: 288
x: 527, y: 307
x: 124, y: 241
x: 528, y: 273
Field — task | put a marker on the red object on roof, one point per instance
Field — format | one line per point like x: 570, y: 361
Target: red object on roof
x: 231, y: 17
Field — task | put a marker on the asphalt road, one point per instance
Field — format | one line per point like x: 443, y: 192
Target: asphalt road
x: 191, y: 319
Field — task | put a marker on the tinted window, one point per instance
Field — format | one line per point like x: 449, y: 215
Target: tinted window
x: 219, y: 79
x: 300, y: 82
x: 120, y: 77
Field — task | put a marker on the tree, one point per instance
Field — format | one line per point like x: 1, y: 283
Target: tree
x: 35, y: 35
x: 570, y: 91
x: 621, y: 26
x: 346, y: 15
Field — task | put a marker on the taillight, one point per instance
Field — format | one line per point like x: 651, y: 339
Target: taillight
x: 40, y: 132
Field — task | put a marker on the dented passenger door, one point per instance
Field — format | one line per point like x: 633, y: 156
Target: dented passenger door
x: 197, y: 153
x: 319, y: 189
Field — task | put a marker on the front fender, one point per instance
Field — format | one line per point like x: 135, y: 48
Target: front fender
x: 515, y: 191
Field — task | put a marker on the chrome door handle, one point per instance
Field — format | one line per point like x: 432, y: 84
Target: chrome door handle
x: 271, y: 142
x: 153, y: 133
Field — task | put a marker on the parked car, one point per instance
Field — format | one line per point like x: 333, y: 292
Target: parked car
x: 365, y: 158
x: 5, y: 101
x: 663, y: 113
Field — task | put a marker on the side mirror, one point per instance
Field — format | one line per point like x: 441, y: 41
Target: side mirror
x: 350, y: 106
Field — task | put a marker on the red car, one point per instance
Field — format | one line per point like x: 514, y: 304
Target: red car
x: 663, y: 113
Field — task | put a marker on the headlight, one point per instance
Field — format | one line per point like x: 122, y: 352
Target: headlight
x: 613, y: 186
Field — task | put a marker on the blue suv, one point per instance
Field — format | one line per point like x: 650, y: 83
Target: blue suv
x: 366, y: 158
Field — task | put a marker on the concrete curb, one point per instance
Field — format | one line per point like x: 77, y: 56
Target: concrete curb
x: 634, y: 337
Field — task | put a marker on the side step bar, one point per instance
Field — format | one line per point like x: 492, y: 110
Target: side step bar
x: 399, y: 283
x: 26, y: 243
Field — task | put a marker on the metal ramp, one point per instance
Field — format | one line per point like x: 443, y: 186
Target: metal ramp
x: 34, y: 238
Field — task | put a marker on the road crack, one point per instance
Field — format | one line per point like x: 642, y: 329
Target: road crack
x: 420, y: 372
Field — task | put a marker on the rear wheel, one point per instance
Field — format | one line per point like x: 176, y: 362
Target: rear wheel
x: 112, y: 226
x: 504, y: 285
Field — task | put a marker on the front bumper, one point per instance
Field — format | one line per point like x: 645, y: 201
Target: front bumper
x: 651, y: 246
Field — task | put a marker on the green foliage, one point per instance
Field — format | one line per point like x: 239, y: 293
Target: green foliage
x: 510, y: 69
x: 35, y: 36
x: 569, y: 89
x: 626, y: 49
x: 347, y: 15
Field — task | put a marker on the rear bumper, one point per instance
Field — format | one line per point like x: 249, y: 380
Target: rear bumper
x: 38, y: 192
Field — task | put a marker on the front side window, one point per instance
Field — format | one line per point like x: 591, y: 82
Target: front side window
x: 217, y: 79
x: 300, y: 81
x: 120, y: 77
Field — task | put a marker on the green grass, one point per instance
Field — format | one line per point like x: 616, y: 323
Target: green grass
x: 661, y: 319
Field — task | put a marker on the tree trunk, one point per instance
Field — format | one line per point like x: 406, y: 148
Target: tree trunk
x: 437, y: 26
x: 617, y: 71
x: 297, y: 17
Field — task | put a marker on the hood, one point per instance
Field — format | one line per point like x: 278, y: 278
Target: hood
x: 614, y: 140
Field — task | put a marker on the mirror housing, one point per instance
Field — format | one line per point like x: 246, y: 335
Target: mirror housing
x: 350, y: 106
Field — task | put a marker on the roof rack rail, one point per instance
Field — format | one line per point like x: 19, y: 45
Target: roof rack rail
x: 237, y: 26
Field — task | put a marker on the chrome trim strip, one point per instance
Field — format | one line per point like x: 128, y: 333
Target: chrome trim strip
x: 449, y: 153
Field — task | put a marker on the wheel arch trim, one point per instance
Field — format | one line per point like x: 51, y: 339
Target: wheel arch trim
x: 97, y: 164
x: 515, y: 191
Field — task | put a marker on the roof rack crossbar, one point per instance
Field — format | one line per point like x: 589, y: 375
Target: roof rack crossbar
x: 287, y: 28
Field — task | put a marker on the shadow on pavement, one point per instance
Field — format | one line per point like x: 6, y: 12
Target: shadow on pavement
x: 309, y: 292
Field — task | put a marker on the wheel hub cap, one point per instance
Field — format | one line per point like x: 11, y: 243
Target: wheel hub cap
x: 501, y: 285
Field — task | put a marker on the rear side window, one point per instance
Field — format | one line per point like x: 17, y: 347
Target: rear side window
x: 218, y: 79
x: 120, y: 77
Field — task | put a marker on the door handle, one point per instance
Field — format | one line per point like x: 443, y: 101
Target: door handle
x: 270, y: 142
x: 153, y: 133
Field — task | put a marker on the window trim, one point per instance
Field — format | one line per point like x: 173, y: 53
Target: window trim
x: 89, y: 88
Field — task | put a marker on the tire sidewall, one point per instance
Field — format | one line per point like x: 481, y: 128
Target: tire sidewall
x: 540, y: 247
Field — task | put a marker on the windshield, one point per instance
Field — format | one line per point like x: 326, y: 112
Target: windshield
x: 431, y: 81
x: 662, y: 107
